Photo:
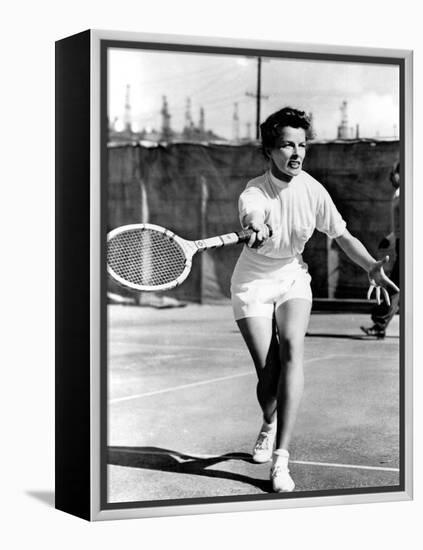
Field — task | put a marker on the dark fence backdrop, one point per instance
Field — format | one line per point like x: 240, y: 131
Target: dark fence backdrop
x: 193, y: 190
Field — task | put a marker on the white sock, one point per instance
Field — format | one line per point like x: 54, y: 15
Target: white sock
x: 280, y: 454
x: 266, y: 427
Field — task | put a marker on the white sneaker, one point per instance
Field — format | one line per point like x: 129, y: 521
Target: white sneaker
x: 282, y: 482
x: 263, y: 449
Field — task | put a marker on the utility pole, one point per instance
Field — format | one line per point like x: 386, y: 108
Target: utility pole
x: 258, y: 96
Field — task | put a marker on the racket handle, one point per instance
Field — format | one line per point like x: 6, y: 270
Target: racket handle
x: 245, y: 234
x: 224, y: 240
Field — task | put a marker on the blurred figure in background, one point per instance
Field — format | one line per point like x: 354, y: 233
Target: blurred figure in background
x: 383, y: 313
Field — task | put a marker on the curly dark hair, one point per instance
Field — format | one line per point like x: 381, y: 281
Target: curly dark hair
x: 271, y: 128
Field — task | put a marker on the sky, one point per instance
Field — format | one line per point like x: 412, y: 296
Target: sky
x: 217, y: 82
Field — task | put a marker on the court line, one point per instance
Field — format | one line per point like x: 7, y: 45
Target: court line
x: 200, y: 383
x: 176, y: 388
x: 177, y: 346
x: 239, y: 350
x: 335, y: 465
x: 234, y: 456
x: 222, y: 378
x: 156, y: 358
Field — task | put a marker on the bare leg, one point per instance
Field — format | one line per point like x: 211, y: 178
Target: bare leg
x: 292, y: 318
x: 260, y: 336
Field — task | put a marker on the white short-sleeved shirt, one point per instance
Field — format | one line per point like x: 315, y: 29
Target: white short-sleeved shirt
x: 293, y: 210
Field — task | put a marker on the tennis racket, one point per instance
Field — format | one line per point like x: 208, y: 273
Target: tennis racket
x: 151, y: 258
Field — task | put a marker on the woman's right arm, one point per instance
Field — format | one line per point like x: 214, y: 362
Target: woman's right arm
x: 252, y: 207
x: 255, y: 220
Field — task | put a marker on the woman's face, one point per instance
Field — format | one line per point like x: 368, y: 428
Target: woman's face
x: 288, y: 154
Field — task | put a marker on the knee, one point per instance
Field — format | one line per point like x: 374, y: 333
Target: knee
x: 291, y: 347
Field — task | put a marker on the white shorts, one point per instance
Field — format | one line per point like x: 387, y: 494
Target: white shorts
x: 260, y: 284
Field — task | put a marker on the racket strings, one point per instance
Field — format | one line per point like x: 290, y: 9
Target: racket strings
x: 145, y: 257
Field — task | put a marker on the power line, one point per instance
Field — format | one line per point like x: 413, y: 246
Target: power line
x: 183, y: 76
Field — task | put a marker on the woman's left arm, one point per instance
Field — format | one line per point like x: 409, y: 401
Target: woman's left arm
x: 356, y: 251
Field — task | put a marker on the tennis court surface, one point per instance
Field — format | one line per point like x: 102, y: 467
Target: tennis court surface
x: 183, y: 416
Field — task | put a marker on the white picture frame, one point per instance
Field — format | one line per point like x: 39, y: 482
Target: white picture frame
x: 81, y: 372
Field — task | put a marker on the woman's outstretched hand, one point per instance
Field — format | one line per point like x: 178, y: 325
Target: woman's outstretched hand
x: 262, y: 232
x: 380, y: 282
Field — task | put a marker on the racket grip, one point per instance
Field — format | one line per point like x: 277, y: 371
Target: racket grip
x: 245, y: 234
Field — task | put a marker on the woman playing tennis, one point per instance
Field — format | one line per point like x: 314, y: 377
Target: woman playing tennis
x: 270, y: 287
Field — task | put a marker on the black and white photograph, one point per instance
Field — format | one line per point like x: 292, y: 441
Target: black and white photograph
x: 253, y: 224
x: 211, y: 275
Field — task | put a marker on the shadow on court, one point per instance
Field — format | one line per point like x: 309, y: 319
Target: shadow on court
x: 153, y: 458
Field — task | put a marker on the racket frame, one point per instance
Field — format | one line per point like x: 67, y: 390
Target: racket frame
x: 189, y: 248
